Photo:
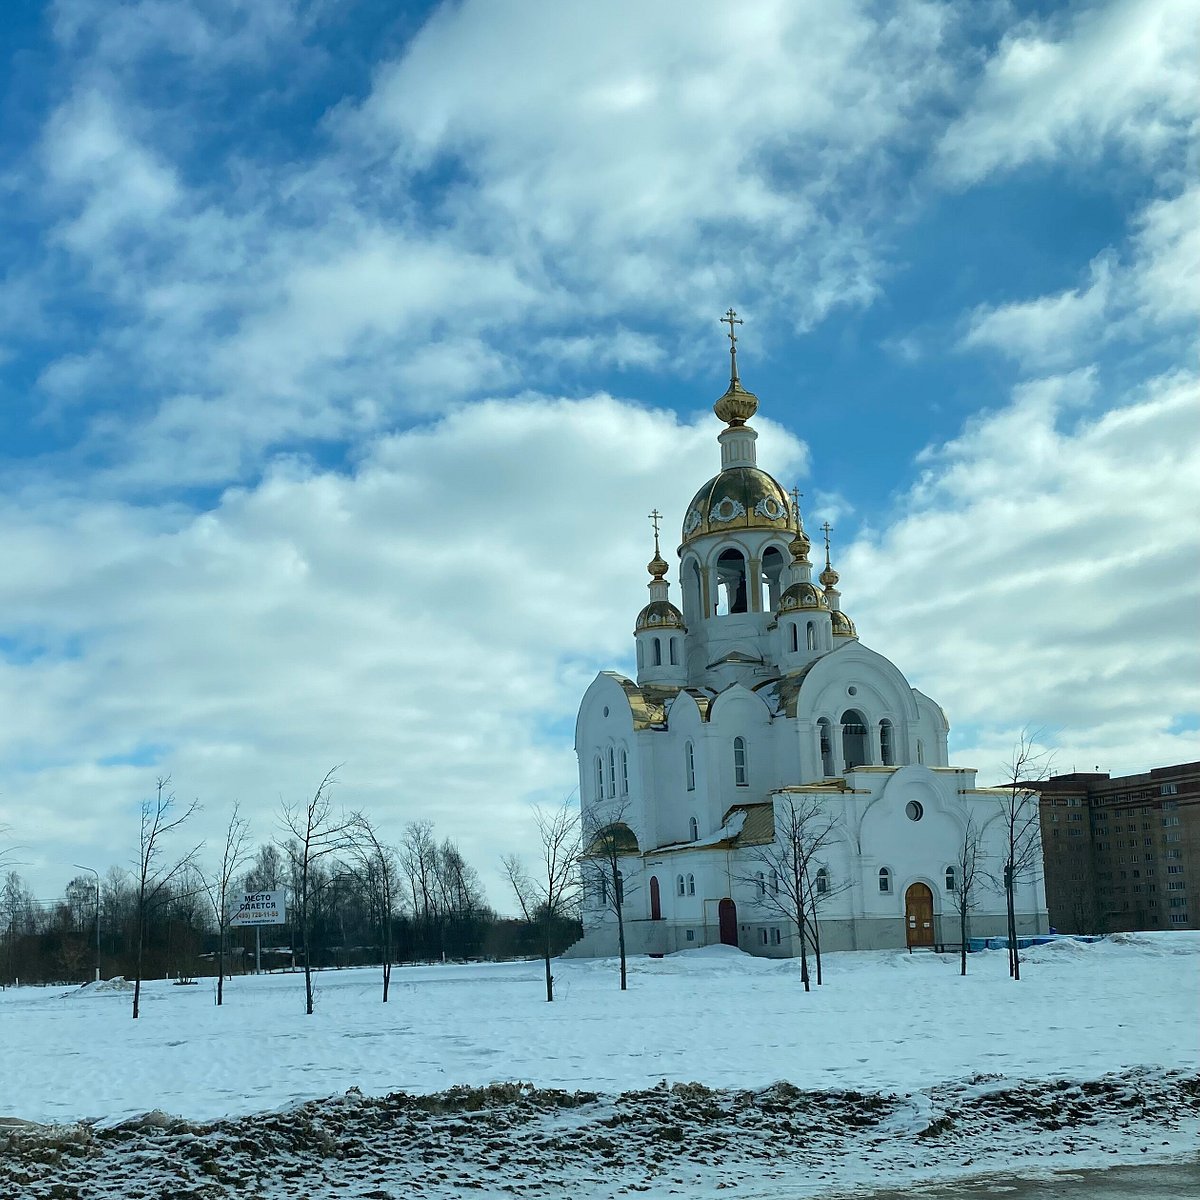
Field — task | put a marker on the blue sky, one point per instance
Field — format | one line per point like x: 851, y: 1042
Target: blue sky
x: 343, y: 348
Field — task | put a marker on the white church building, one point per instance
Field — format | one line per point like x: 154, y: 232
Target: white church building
x: 754, y: 695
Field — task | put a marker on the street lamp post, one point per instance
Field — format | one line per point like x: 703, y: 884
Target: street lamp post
x: 93, y: 870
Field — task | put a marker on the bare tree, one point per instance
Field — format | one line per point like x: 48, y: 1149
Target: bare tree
x: 1020, y: 817
x: 795, y: 882
x: 968, y: 870
x: 156, y: 880
x: 606, y: 840
x: 419, y: 862
x: 219, y: 883
x: 553, y: 894
x: 380, y: 872
x: 316, y: 832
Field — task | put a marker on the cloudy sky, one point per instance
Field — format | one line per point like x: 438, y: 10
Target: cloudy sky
x: 344, y: 348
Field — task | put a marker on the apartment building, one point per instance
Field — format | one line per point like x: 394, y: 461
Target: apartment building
x: 1124, y: 853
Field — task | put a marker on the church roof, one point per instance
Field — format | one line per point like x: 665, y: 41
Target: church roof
x: 738, y: 498
x: 659, y: 614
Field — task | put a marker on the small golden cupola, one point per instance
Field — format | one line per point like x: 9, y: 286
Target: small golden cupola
x: 659, y: 628
x: 801, y: 593
x: 843, y: 626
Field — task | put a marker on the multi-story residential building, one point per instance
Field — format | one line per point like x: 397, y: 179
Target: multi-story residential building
x: 1122, y: 853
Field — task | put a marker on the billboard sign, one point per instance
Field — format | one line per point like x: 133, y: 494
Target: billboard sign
x: 259, y: 908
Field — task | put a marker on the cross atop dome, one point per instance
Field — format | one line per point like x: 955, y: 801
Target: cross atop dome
x: 737, y: 406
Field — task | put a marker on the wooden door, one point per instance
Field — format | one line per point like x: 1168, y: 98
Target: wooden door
x: 655, y: 900
x: 727, y: 918
x: 918, y: 915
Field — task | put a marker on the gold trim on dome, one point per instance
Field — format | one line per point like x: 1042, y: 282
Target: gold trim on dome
x: 714, y: 508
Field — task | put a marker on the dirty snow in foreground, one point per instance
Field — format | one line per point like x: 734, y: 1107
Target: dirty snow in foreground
x: 883, y: 1021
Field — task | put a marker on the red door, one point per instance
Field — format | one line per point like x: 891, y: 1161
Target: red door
x: 727, y: 916
x: 655, y: 900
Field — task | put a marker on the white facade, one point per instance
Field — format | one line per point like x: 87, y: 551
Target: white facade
x: 757, y: 690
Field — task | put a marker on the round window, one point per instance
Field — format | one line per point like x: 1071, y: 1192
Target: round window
x: 913, y: 810
x: 852, y: 691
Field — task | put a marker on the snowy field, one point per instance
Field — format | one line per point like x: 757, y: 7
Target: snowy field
x: 897, y: 1072
x: 882, y: 1022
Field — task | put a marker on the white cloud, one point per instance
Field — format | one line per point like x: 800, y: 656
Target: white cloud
x: 1154, y: 293
x: 1043, y: 574
x: 426, y: 620
x: 1051, y: 330
x: 1124, y: 74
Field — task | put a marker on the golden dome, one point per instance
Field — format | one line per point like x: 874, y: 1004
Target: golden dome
x: 842, y: 625
x: 800, y: 546
x: 801, y: 596
x: 737, y: 406
x: 738, y: 498
x: 657, y: 566
x: 659, y: 614
x: 829, y: 576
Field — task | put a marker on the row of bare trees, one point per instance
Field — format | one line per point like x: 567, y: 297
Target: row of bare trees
x: 353, y: 898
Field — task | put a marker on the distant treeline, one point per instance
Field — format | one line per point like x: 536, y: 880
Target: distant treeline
x: 440, y: 913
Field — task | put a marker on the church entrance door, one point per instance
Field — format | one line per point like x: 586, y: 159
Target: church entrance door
x: 727, y: 917
x: 655, y: 900
x: 918, y: 915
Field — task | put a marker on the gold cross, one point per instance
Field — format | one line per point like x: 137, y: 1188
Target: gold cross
x: 731, y: 319
x: 827, y: 527
x: 796, y: 494
x: 655, y: 517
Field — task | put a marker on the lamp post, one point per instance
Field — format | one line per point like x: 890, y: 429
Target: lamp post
x: 93, y: 870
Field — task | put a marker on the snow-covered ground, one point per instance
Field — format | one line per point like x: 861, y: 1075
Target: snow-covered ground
x: 882, y: 1023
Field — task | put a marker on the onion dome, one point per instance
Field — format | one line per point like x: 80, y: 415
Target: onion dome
x: 802, y: 596
x: 737, y: 405
x: 737, y: 498
x: 659, y: 614
x: 828, y: 576
x: 800, y: 546
x: 842, y: 625
x: 657, y: 566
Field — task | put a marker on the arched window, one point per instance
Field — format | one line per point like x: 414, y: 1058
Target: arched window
x: 624, y: 773
x: 690, y: 576
x: 887, y: 751
x: 693, y: 830
x: 602, y: 891
x: 680, y: 887
x: 854, y: 739
x: 641, y: 654
x: 674, y: 652
x: 689, y: 766
x: 658, y: 652
x: 731, y: 583
x: 885, y: 880
x: 951, y: 879
x: 774, y: 882
x: 691, y: 885
x: 772, y: 569
x: 760, y: 885
x: 811, y: 636
x: 741, y: 772
x: 824, y: 730
x: 620, y: 887
x: 795, y: 632
x: 599, y: 778
x: 822, y: 882
x: 612, y: 772
x: 920, y: 751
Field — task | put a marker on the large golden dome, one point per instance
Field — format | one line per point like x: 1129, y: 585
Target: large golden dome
x: 738, y: 498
